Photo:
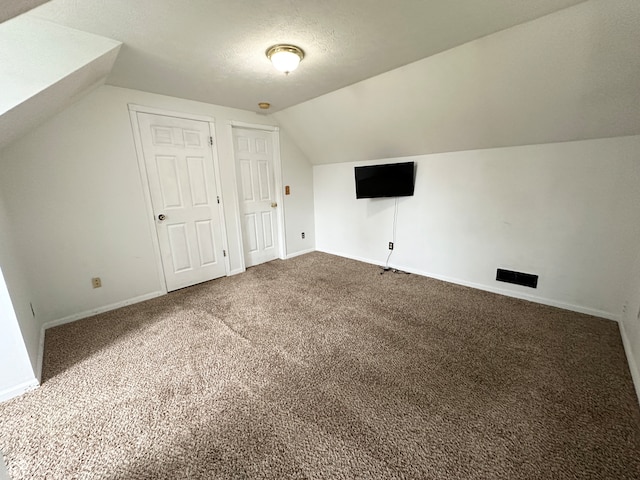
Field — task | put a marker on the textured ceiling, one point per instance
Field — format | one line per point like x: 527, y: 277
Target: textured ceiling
x: 213, y: 50
x: 573, y: 75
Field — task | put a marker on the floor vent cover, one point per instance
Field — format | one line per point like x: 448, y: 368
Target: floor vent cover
x: 519, y: 278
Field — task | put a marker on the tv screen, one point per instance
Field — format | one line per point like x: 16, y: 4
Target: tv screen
x: 390, y: 180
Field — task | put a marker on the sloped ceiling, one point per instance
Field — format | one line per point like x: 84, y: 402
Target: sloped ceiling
x: 572, y: 75
x: 380, y: 79
x: 13, y: 8
x: 43, y: 68
x: 214, y: 50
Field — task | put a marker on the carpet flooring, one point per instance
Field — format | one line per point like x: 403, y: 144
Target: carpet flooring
x: 319, y: 367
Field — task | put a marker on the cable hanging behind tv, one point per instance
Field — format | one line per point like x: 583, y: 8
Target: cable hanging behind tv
x: 389, y: 180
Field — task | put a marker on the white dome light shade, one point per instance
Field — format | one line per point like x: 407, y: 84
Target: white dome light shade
x: 285, y: 58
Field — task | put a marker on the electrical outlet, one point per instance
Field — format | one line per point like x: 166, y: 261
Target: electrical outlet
x: 96, y: 282
x: 390, y: 245
x: 624, y: 307
x: 302, y: 235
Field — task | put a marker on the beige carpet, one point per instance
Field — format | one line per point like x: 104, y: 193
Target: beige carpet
x: 320, y: 367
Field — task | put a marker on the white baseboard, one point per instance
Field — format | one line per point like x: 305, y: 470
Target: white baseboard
x: 105, y: 308
x: 522, y: 296
x: 4, y: 474
x: 85, y: 314
x: 354, y: 257
x: 499, y: 291
x: 18, y: 390
x: 297, y: 254
x: 633, y: 366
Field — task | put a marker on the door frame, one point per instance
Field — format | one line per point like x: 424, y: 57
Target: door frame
x: 277, y: 179
x: 142, y: 170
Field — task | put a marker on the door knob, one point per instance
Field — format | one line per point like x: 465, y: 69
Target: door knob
x: 161, y: 217
x: 274, y: 204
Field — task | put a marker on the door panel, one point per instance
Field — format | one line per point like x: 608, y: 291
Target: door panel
x: 197, y: 182
x: 246, y: 179
x: 206, y: 242
x: 264, y: 181
x: 254, y: 160
x: 169, y: 181
x: 179, y: 244
x: 180, y: 170
x: 251, y: 232
x: 267, y: 230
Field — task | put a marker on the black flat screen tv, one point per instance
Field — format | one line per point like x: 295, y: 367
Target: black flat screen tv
x: 390, y: 180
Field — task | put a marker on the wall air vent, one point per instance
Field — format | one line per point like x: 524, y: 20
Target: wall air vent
x: 519, y: 278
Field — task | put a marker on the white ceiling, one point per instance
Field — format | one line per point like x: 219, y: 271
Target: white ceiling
x: 572, y: 75
x: 12, y: 8
x: 45, y: 67
x: 213, y: 50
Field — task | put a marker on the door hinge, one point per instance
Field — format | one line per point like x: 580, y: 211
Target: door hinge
x: 224, y: 253
x: 211, y: 141
x: 218, y: 198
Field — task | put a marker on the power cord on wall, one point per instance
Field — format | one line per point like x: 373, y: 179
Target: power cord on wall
x: 393, y: 233
x: 395, y: 224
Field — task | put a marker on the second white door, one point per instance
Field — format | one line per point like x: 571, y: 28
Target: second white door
x: 256, y: 191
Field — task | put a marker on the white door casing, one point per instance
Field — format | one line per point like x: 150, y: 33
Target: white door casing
x: 181, y: 174
x: 254, y: 156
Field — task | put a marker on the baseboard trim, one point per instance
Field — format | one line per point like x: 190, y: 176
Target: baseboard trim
x: 355, y: 257
x: 523, y: 296
x: 18, y: 390
x: 85, y: 314
x: 633, y: 366
x: 302, y: 252
x: 499, y: 291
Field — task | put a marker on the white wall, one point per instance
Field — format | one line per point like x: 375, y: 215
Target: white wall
x: 297, y: 173
x: 18, y: 328
x: 570, y: 75
x: 566, y: 212
x: 76, y: 205
x: 630, y: 321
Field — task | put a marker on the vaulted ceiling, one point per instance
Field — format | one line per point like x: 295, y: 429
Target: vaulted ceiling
x: 379, y: 79
x: 573, y: 75
x: 44, y: 67
x: 214, y: 50
x: 12, y: 8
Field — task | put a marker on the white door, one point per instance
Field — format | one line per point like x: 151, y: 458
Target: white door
x: 256, y: 192
x: 179, y: 161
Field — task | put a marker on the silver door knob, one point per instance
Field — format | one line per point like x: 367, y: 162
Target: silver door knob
x: 161, y: 217
x: 274, y: 205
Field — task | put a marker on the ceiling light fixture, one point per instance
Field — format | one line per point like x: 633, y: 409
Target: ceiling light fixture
x: 285, y: 58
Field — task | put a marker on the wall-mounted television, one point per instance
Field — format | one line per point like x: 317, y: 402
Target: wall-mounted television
x: 389, y: 180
